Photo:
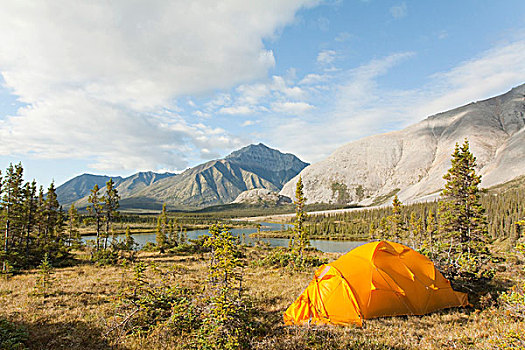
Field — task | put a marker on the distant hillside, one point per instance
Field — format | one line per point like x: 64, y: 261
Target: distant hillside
x: 213, y: 183
x: 411, y: 162
x: 80, y: 186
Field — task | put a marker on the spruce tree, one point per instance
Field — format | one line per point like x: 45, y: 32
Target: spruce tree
x: 431, y: 230
x: 300, y: 235
x: 372, y: 230
x: 416, y: 230
x: 53, y: 216
x: 129, y: 241
x: 72, y: 223
x: 44, y: 279
x: 95, y: 208
x: 111, y: 204
x: 173, y: 234
x: 397, y: 226
x: 39, y: 215
x: 12, y: 210
x: 462, y: 218
x: 53, y: 228
x: 383, y: 229
x: 30, y: 211
x: 224, y: 325
x: 161, y: 232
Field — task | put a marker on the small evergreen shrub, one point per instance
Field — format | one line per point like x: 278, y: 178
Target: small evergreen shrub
x: 45, y: 277
x: 149, y: 247
x: 513, y: 301
x: 152, y: 301
x: 282, y: 257
x: 106, y: 257
x: 226, y: 323
x: 12, y: 336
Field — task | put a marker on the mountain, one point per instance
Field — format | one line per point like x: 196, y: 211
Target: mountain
x: 411, y: 162
x: 80, y: 186
x: 78, y: 189
x: 221, y: 181
x: 215, y: 182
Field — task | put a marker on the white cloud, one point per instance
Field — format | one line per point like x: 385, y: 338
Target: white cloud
x: 250, y: 123
x: 313, y: 79
x: 326, y: 57
x: 354, y: 110
x: 491, y: 73
x: 399, y: 11
x: 258, y: 97
x: 236, y: 110
x: 96, y: 75
x: 252, y: 94
x: 362, y: 107
x: 202, y: 114
x: 281, y: 86
x: 220, y: 100
x: 295, y: 108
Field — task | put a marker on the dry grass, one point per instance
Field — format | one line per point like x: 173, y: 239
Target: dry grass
x: 77, y: 313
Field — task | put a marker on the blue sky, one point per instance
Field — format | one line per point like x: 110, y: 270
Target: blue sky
x: 122, y: 86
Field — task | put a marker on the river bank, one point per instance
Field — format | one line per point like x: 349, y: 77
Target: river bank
x: 245, y: 237
x: 289, y: 234
x: 120, y: 229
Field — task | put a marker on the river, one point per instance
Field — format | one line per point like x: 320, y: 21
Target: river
x: 321, y: 244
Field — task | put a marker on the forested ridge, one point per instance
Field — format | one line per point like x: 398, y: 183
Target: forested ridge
x: 504, y: 205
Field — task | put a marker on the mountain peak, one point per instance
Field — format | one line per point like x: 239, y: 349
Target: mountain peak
x: 263, y: 157
x: 251, y: 149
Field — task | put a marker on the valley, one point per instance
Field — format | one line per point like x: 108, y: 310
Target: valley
x: 212, y: 257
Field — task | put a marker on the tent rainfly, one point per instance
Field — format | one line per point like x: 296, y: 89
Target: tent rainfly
x: 373, y: 280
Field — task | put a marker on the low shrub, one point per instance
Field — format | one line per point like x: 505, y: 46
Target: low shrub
x: 149, y: 247
x: 153, y: 302
x: 106, y: 257
x: 283, y: 257
x: 195, y: 246
x: 12, y: 336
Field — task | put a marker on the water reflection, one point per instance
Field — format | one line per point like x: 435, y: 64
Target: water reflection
x: 323, y: 245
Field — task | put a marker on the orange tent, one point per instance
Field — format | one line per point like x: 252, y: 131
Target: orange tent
x: 373, y: 280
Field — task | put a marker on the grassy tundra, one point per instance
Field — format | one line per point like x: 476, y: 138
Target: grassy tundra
x: 80, y: 309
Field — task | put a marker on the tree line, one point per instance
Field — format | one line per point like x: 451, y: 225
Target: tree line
x: 35, y: 227
x: 503, y: 209
x: 32, y: 221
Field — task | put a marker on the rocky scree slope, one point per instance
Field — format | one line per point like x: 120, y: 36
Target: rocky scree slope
x: 261, y: 196
x: 411, y: 162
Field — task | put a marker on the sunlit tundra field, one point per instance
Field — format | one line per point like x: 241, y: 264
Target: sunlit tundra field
x: 81, y: 309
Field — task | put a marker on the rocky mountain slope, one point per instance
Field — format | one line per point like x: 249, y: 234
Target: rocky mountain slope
x: 411, y: 162
x: 78, y: 188
x: 215, y: 182
x: 262, y: 196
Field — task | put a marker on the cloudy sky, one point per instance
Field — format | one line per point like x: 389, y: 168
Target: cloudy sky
x: 114, y: 87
